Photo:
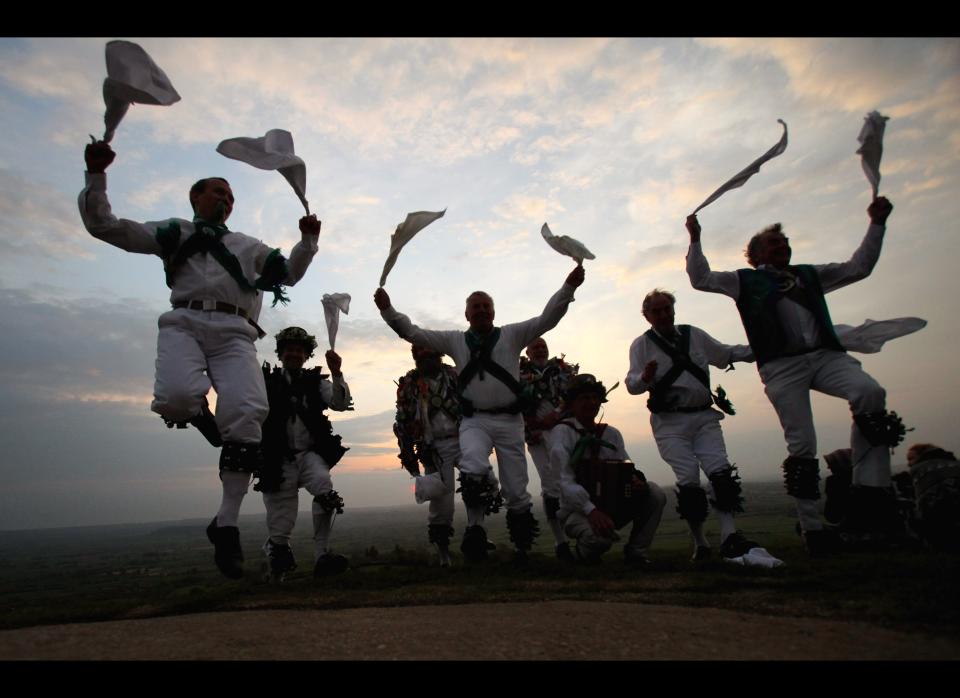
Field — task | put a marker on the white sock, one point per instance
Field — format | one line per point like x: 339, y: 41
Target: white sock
x: 322, y: 523
x: 475, y: 516
x: 809, y: 514
x: 234, y: 488
x: 696, y: 532
x: 558, y: 535
x: 727, y: 524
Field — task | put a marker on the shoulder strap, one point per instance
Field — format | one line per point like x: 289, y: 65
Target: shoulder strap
x: 480, y: 361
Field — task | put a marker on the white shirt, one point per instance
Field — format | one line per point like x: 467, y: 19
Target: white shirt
x: 201, y: 277
x: 686, y: 390
x: 563, y: 440
x: 489, y: 392
x: 798, y: 322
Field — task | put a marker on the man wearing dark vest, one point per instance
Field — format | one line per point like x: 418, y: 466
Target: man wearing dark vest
x: 216, y: 277
x: 788, y: 325
x: 673, y: 362
x: 590, y: 511
x: 488, y: 361
x: 300, y: 449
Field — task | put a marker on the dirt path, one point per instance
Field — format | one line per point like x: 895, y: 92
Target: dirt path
x: 550, y: 630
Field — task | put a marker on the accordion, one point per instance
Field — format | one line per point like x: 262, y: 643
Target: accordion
x: 610, y: 486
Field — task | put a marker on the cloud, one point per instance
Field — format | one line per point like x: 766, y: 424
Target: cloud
x: 35, y: 222
x: 855, y: 74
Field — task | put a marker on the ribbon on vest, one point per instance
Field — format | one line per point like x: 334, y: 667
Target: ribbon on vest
x: 208, y: 238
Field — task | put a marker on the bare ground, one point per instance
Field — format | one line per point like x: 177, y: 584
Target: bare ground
x: 560, y: 630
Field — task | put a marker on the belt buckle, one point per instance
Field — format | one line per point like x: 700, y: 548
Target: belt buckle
x: 209, y: 304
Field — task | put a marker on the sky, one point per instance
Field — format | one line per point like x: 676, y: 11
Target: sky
x: 610, y: 141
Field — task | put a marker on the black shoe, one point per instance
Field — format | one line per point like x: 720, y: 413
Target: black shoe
x: 206, y: 424
x: 702, y: 553
x: 330, y: 564
x: 227, y: 555
x: 563, y: 553
x: 735, y: 545
x: 636, y: 559
x: 821, y: 543
x: 474, y: 546
x: 281, y: 560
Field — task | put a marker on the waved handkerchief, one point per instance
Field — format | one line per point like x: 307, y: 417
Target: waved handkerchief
x: 741, y: 177
x: 132, y: 78
x: 412, y: 224
x: 565, y: 244
x: 333, y: 305
x: 869, y: 337
x: 871, y: 147
x: 429, y: 487
x: 756, y: 557
x: 273, y: 151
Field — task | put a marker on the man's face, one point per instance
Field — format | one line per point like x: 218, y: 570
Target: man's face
x: 215, y: 202
x: 294, y: 356
x: 774, y: 249
x: 585, y: 407
x: 428, y: 361
x: 660, y: 314
x: 480, y: 313
x: 537, y: 352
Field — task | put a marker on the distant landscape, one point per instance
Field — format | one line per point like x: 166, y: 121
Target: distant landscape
x: 165, y: 568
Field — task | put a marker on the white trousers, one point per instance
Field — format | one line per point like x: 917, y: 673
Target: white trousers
x: 502, y: 433
x: 540, y: 455
x: 307, y: 470
x: 438, y: 488
x: 645, y: 524
x: 197, y: 348
x: 690, y: 442
x: 788, y: 383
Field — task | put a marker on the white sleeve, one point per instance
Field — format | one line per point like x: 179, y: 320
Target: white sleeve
x: 562, y: 441
x: 702, y: 279
x: 859, y: 266
x: 442, y: 341
x: 98, y: 219
x: 336, y: 393
x: 638, y: 360
x: 553, y: 312
x: 719, y: 354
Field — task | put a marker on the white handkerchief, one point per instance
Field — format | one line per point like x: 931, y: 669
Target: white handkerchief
x: 273, y: 151
x: 132, y: 78
x: 741, y: 177
x: 871, y: 148
x: 756, y: 557
x: 412, y: 224
x: 427, y: 487
x: 869, y: 337
x: 333, y: 305
x: 565, y: 244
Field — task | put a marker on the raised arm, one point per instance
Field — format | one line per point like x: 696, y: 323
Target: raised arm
x: 552, y: 313
x: 861, y: 264
x: 442, y: 341
x: 698, y: 269
x: 302, y: 253
x: 95, y: 211
x: 336, y: 392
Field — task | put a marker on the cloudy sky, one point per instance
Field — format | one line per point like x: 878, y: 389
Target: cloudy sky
x: 611, y: 141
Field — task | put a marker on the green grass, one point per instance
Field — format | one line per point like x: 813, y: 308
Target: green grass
x: 103, y: 573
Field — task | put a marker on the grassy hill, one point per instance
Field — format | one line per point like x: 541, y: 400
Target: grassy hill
x: 141, y: 570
